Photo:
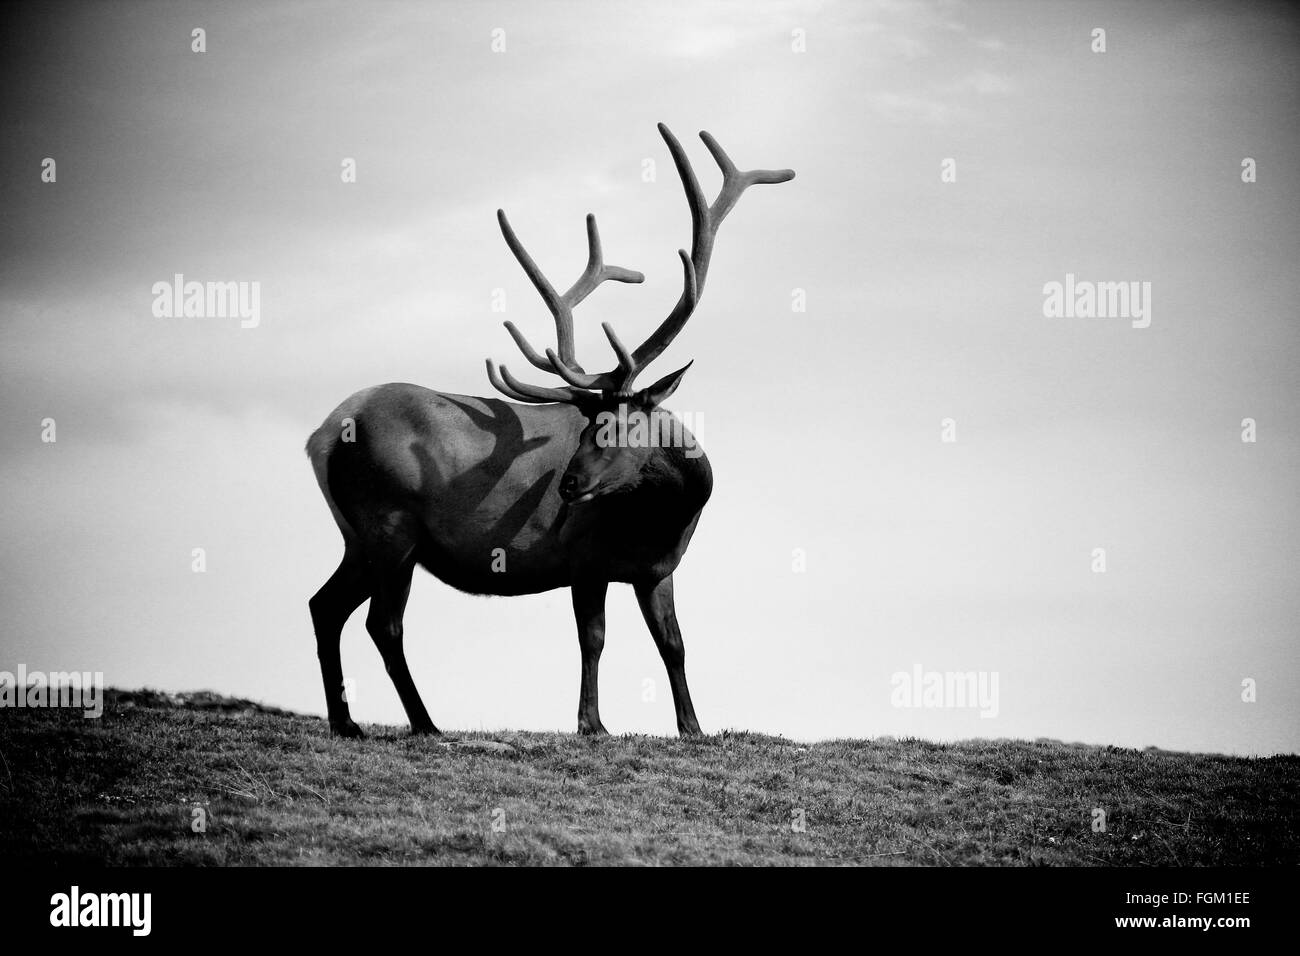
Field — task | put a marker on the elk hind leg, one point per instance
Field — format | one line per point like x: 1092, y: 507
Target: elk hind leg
x: 331, y: 606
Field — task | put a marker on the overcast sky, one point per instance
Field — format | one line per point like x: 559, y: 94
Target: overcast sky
x: 924, y: 302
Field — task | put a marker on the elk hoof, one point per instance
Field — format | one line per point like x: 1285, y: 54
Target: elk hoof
x: 345, y: 728
x: 592, y: 730
x: 423, y: 730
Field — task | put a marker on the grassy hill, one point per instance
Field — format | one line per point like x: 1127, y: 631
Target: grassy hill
x: 274, y: 788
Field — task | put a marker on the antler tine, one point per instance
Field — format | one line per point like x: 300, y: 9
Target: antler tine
x: 495, y: 378
x: 735, y: 181
x: 575, y: 378
x: 563, y: 318
x: 660, y: 338
x: 694, y: 194
x: 625, y: 360
x: 538, y: 392
x: 511, y: 387
x: 529, y: 352
x: 596, y: 271
x: 705, y: 220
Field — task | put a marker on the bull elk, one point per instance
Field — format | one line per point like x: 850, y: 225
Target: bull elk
x: 462, y: 485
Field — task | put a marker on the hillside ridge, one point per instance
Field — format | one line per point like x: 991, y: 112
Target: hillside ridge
x: 203, y: 779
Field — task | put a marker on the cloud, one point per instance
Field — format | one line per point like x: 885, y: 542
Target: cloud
x: 703, y: 43
x: 982, y: 83
x: 904, y: 107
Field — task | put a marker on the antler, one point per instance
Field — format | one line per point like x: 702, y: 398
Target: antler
x: 705, y: 220
x: 561, y: 306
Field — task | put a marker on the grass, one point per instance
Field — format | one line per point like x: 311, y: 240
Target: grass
x: 275, y: 788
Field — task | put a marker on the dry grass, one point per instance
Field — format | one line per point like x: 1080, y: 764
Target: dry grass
x: 276, y: 789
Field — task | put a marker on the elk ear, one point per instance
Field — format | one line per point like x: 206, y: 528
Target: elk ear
x: 660, y: 390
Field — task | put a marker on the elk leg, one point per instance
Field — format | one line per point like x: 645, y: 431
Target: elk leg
x: 657, y: 607
x: 331, y: 607
x: 589, y: 611
x: 384, y: 622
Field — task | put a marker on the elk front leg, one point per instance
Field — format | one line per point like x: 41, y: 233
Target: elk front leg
x: 589, y: 612
x: 384, y: 622
x: 656, y: 600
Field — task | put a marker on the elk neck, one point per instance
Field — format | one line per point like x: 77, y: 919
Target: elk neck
x: 677, y: 483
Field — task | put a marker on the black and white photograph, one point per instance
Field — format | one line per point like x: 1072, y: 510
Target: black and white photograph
x: 677, y: 435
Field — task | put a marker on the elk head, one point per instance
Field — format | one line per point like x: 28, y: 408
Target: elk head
x: 599, y: 466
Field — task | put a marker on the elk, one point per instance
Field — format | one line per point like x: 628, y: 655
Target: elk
x: 508, y: 498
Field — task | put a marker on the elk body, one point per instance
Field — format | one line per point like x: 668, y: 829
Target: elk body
x: 520, y: 497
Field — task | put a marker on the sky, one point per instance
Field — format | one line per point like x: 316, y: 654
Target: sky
x: 952, y: 160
